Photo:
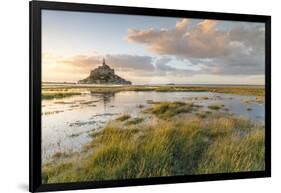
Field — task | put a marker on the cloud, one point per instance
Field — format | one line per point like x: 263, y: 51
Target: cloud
x: 136, y: 65
x: 252, y: 37
x: 161, y: 64
x: 236, y: 50
x: 201, y: 41
x: 85, y: 63
x: 188, y: 51
x: 130, y: 62
x: 81, y: 63
x: 182, y: 24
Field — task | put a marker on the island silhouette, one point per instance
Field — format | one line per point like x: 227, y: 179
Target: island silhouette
x: 104, y: 75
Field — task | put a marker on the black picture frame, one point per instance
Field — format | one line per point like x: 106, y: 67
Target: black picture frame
x: 35, y: 8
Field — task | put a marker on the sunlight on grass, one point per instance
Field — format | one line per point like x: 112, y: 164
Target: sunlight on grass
x: 59, y: 95
x: 164, y: 145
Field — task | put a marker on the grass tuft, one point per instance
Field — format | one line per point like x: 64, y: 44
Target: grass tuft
x: 134, y: 121
x: 123, y: 117
x: 215, y: 106
x: 166, y: 110
x: 48, y: 96
x: 249, y: 109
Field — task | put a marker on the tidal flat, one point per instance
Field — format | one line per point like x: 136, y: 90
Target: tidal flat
x: 74, y: 89
x: 121, y: 132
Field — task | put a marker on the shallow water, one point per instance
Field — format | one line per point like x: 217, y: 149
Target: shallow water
x: 67, y: 122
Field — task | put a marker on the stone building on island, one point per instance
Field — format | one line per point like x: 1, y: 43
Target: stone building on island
x: 103, y: 75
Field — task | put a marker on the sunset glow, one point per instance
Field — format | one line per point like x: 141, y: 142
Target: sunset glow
x: 152, y: 50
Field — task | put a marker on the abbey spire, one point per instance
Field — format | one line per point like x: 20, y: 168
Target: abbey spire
x: 103, y: 61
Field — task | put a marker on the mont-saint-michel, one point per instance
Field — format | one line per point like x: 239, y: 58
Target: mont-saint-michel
x: 104, y: 75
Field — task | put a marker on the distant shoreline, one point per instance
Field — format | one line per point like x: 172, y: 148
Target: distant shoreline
x: 119, y: 85
x: 50, y: 91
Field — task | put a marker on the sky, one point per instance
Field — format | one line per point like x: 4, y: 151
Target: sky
x: 152, y: 50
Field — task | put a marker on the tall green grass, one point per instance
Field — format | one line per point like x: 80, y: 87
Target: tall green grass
x: 165, y: 146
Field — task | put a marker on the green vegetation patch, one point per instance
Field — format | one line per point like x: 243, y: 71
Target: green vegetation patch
x: 56, y: 95
x: 215, y: 106
x: 167, y: 110
x: 249, y: 109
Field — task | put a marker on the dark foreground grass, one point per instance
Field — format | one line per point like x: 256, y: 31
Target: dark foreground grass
x: 164, y: 146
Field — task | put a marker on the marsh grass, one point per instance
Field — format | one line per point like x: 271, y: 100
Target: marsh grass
x: 225, y: 109
x: 51, y: 112
x: 123, y: 117
x: 256, y: 100
x: 241, y: 154
x: 134, y: 121
x: 64, y: 102
x: 58, y: 95
x: 259, y: 99
x: 249, y: 109
x: 202, y: 114
x: 165, y: 146
x: 166, y: 110
x: 240, y: 90
x: 59, y: 155
x: 140, y: 106
x: 150, y: 102
x: 215, y: 106
x: 88, y: 102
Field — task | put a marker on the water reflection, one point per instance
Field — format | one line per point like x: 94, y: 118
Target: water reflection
x: 67, y: 123
x: 106, y: 98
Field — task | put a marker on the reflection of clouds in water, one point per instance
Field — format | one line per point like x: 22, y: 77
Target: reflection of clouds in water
x: 85, y: 117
